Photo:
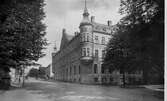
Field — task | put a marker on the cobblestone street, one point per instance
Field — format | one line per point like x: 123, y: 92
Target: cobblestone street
x: 36, y: 90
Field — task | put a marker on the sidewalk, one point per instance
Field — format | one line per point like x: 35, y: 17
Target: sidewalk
x: 159, y: 88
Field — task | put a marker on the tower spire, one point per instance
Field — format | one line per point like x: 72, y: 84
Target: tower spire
x: 85, y: 10
x: 85, y: 5
x: 85, y: 20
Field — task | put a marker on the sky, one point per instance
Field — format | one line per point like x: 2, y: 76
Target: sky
x: 68, y: 14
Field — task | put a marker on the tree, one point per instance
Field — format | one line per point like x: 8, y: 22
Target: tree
x: 33, y: 72
x: 21, y: 32
x: 141, y: 34
x: 42, y: 72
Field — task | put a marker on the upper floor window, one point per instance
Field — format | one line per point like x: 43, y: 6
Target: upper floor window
x: 88, y: 37
x: 83, y: 29
x: 83, y: 51
x: 88, y: 51
x: 96, y: 39
x: 96, y: 53
x: 83, y: 37
x: 103, y: 40
x: 103, y: 54
x: 109, y: 39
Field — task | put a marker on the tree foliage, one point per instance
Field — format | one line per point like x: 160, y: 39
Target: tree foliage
x: 33, y: 72
x: 21, y: 32
x: 138, y: 43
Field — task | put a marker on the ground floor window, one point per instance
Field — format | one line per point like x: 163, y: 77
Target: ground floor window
x: 79, y: 70
x: 104, y: 79
x: 95, y: 68
x: 74, y: 70
x: 102, y: 68
x: 96, y: 79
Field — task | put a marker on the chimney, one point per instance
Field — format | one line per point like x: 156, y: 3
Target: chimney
x: 64, y: 30
x: 92, y: 18
x: 109, y: 22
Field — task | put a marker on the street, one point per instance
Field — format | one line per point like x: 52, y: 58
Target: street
x: 38, y: 90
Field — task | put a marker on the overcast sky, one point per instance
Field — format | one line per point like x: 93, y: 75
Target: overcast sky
x: 68, y: 14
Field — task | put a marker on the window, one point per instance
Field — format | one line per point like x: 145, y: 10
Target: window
x: 84, y: 37
x: 102, y: 68
x: 103, y: 54
x: 66, y: 71
x: 79, y: 70
x: 88, y: 38
x: 95, y: 68
x: 70, y: 71
x: 103, y: 40
x: 96, y: 39
x: 96, y: 79
x: 109, y: 39
x: 84, y: 29
x: 88, y: 52
x: 110, y: 70
x: 83, y: 51
x: 96, y: 53
x: 74, y: 70
x: 81, y: 38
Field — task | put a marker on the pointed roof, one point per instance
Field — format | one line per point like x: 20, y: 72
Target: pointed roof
x: 102, y: 28
x: 65, y: 39
x: 85, y: 10
x: 85, y: 16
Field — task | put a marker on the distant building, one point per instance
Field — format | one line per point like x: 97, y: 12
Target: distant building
x: 80, y: 57
x: 48, y: 71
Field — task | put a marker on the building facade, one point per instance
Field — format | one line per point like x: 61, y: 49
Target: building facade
x: 48, y: 72
x: 80, y: 58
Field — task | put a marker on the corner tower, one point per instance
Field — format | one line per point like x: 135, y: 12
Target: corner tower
x: 86, y: 35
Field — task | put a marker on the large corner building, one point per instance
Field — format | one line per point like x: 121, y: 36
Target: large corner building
x: 80, y: 58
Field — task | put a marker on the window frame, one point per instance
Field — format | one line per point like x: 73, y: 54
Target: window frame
x: 96, y: 53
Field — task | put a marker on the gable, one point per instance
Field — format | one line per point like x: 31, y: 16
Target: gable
x: 65, y: 39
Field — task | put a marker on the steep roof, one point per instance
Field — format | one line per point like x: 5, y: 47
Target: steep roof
x: 69, y: 37
x: 65, y: 39
x: 102, y: 28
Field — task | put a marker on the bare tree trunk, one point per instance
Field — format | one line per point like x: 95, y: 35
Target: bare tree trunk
x: 123, y: 78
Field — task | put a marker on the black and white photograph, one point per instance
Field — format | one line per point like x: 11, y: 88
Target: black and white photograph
x: 82, y: 50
